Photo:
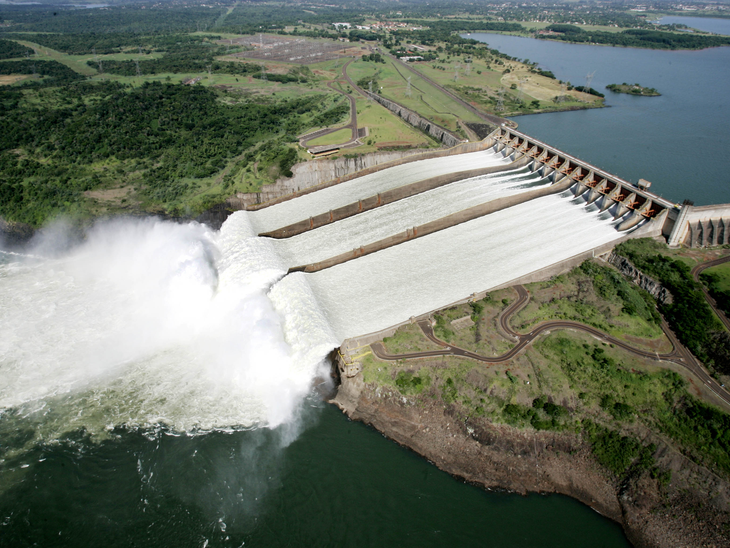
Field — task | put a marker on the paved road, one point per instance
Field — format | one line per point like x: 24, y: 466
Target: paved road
x: 696, y: 271
x: 352, y: 124
x: 679, y: 354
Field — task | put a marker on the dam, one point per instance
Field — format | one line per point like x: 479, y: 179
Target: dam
x: 211, y: 329
x: 377, y: 249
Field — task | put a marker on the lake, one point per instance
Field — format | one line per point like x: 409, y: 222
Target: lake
x: 677, y: 141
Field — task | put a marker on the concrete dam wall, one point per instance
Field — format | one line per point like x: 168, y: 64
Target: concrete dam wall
x: 701, y: 226
x: 419, y: 233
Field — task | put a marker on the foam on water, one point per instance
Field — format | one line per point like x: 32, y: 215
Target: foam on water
x: 150, y: 322
x: 303, y: 207
x: 371, y: 226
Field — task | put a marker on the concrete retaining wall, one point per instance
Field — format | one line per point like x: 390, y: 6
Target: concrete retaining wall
x: 434, y: 130
x: 387, y: 197
x: 459, y: 149
x: 700, y: 226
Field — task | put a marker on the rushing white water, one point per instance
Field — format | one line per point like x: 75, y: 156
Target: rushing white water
x: 385, y: 288
x: 303, y: 207
x: 396, y: 217
x: 149, y: 323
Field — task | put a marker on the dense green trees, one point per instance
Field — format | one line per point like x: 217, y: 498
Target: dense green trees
x: 689, y: 315
x: 163, y: 136
x: 10, y: 49
x: 636, y: 38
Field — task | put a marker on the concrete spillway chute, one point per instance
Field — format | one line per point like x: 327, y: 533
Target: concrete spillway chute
x: 624, y: 202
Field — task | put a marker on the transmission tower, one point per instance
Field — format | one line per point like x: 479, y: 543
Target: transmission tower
x: 261, y: 41
x: 408, y: 88
x: 500, y: 100
x: 589, y: 80
x: 93, y: 50
x: 467, y: 67
x: 521, y: 87
x: 563, y: 92
x: 140, y: 49
x: 136, y: 65
x: 35, y: 74
x: 457, y: 66
x: 211, y: 66
x: 370, y: 89
x: 101, y: 70
x: 263, y: 73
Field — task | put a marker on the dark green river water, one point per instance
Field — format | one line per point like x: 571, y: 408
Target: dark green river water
x: 339, y: 484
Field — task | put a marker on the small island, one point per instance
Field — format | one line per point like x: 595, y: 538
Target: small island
x: 633, y: 89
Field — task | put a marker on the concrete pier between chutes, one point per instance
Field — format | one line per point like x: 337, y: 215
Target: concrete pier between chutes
x: 631, y: 204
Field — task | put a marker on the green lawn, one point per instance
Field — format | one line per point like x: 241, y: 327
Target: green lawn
x: 341, y: 136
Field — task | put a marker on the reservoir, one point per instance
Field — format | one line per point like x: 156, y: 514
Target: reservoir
x: 707, y: 24
x: 676, y: 141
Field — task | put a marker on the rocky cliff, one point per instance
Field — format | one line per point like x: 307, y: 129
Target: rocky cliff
x: 691, y: 512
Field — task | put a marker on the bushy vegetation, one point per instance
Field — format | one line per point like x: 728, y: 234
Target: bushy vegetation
x: 50, y: 72
x: 164, y: 137
x: 10, y: 49
x: 408, y: 383
x: 636, y: 38
x: 689, y: 315
x: 633, y: 89
x: 113, y: 42
x: 611, y: 286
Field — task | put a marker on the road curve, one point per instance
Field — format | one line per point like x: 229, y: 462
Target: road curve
x: 696, y: 271
x: 352, y: 124
x: 679, y: 354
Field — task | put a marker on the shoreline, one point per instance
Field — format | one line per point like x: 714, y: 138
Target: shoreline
x: 503, y: 458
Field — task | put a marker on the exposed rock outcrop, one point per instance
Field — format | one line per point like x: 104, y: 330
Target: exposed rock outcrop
x: 691, y: 512
x: 650, y: 285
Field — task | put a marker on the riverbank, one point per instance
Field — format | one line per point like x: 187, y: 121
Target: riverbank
x: 601, y: 412
x: 500, y: 457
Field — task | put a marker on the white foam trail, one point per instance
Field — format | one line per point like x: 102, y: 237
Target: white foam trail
x: 303, y: 207
x: 371, y: 226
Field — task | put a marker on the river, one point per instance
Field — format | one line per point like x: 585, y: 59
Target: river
x: 676, y: 141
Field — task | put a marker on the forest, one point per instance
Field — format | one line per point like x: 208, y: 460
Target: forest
x: 59, y: 142
x: 635, y: 38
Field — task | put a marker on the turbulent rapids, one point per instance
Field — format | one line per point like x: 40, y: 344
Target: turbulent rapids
x: 151, y: 323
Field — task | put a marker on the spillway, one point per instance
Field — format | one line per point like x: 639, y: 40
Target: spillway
x: 303, y: 207
x: 154, y: 323
x: 388, y: 287
x: 379, y: 223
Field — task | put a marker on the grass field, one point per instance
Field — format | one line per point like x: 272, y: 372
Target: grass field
x: 425, y: 99
x: 723, y: 274
x: 341, y: 136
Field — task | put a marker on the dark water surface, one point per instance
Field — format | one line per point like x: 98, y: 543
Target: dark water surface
x: 678, y: 141
x: 339, y: 484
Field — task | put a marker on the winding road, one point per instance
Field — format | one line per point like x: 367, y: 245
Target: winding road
x: 352, y: 124
x: 679, y: 354
x: 696, y: 271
